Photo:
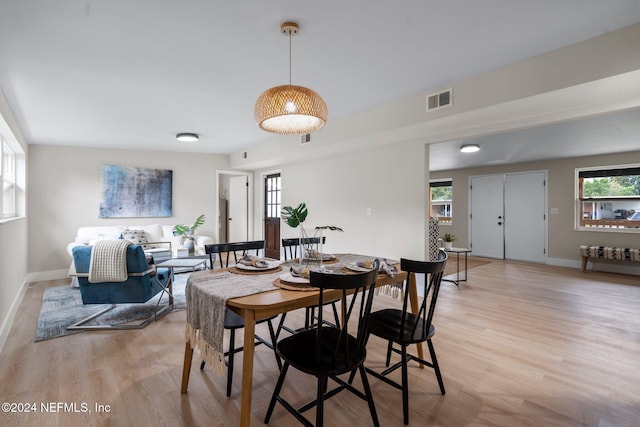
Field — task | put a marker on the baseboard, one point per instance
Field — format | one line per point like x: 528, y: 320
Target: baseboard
x: 8, y: 320
x: 561, y: 262
x: 47, y: 275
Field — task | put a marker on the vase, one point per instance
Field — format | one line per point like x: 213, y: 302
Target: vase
x: 188, y: 243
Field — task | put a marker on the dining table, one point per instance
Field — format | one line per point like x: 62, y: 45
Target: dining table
x: 270, y: 301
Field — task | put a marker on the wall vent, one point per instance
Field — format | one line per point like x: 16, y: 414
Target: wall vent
x: 305, y: 139
x: 436, y: 101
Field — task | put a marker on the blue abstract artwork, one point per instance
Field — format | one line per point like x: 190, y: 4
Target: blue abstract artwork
x: 132, y: 192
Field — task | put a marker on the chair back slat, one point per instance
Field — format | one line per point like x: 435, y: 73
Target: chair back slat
x: 355, y: 288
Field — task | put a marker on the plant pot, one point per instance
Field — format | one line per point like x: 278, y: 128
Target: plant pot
x: 448, y: 245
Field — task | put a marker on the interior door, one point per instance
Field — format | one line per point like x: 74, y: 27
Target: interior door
x: 237, y: 209
x: 272, y: 206
x: 525, y: 216
x: 487, y: 216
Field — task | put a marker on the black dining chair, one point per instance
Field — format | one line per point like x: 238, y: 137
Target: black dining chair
x: 233, y: 321
x: 326, y: 351
x: 403, y: 328
x: 290, y: 249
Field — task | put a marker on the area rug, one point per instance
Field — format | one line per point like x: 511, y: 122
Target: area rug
x: 62, y: 306
x: 472, y: 262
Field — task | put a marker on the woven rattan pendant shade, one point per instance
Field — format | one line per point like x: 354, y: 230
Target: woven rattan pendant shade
x: 290, y: 109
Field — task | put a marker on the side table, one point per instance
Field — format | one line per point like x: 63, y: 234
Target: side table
x: 458, y: 251
x: 174, y: 263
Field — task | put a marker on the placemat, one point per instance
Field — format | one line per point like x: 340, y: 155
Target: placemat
x: 237, y: 270
x: 304, y: 287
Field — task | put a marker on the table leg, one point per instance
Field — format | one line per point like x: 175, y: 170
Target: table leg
x: 413, y: 299
x: 170, y: 287
x: 186, y: 366
x: 247, y: 367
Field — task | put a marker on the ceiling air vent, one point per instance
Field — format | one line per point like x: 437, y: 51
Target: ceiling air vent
x: 443, y: 99
x: 305, y: 139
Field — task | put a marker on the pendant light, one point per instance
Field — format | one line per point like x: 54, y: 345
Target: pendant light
x: 290, y: 109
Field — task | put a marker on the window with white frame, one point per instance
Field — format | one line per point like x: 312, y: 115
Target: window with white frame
x: 8, y: 174
x: 441, y: 200
x: 608, y: 197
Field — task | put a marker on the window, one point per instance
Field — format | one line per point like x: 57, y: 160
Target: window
x: 272, y: 196
x: 8, y: 174
x: 440, y: 199
x: 609, y: 197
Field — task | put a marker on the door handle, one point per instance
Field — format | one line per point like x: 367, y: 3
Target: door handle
x: 230, y: 219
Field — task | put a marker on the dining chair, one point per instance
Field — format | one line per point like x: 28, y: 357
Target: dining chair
x: 216, y: 251
x: 233, y: 321
x: 404, y: 328
x: 327, y: 352
x: 290, y: 246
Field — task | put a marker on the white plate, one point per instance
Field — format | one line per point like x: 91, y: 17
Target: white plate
x: 355, y: 267
x: 287, y: 277
x: 272, y: 265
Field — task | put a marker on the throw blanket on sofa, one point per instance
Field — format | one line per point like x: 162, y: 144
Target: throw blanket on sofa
x: 109, y: 261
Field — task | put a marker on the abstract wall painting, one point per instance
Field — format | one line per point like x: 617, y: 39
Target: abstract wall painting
x: 130, y: 192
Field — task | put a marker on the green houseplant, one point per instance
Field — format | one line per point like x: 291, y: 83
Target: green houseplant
x: 294, y: 217
x: 188, y: 231
x: 448, y: 240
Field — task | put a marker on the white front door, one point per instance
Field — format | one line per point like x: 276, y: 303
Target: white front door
x: 525, y: 216
x: 486, y: 216
x: 237, y: 212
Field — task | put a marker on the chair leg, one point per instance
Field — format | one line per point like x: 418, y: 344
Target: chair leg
x: 367, y: 392
x: 274, y: 342
x: 230, y: 361
x: 322, y: 387
x: 276, y: 392
x: 389, y: 347
x: 405, y: 386
x: 436, y: 367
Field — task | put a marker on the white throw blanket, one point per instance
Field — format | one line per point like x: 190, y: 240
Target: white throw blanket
x: 109, y: 261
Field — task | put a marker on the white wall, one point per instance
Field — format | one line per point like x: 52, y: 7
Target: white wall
x: 65, y: 194
x: 339, y: 189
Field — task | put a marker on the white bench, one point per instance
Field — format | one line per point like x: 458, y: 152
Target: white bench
x: 608, y: 253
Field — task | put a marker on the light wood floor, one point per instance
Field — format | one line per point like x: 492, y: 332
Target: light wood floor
x: 519, y: 345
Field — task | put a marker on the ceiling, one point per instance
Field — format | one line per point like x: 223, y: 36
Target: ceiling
x: 130, y: 75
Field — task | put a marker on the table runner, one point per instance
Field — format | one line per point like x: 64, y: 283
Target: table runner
x: 207, y: 292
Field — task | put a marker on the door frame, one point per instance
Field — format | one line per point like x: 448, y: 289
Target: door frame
x: 250, y: 216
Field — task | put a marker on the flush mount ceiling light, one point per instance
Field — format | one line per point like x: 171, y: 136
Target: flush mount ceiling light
x: 469, y: 148
x: 290, y: 109
x: 187, y: 137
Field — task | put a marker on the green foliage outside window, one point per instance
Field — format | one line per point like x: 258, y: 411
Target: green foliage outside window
x: 612, y: 186
x: 442, y: 193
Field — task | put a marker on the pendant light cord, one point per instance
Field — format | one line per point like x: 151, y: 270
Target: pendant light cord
x: 289, y: 58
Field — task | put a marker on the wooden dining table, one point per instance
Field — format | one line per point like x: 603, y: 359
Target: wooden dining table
x: 259, y: 306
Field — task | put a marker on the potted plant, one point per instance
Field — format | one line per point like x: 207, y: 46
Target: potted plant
x: 294, y: 217
x: 188, y: 231
x: 447, y: 240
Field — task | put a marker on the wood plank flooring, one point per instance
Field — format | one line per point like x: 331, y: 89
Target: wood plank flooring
x: 519, y: 345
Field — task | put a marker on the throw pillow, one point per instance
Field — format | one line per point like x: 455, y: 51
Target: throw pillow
x: 138, y: 237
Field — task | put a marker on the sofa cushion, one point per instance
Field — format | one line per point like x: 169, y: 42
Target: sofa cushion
x: 138, y: 237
